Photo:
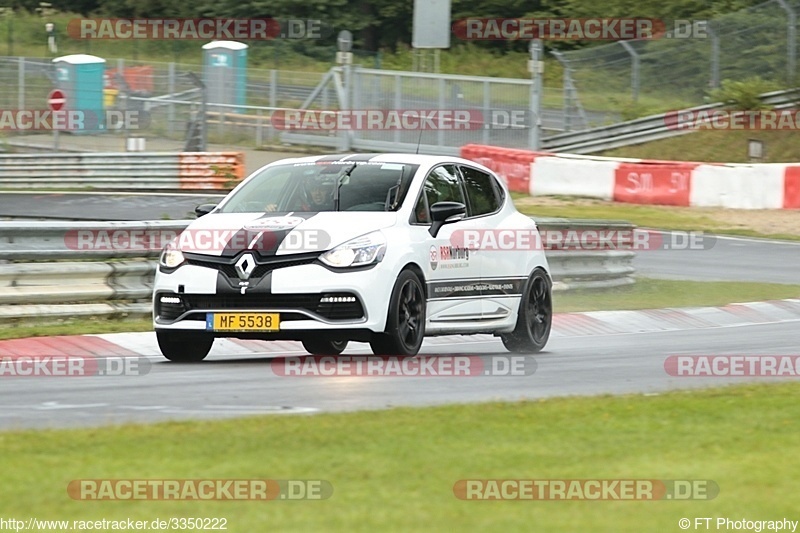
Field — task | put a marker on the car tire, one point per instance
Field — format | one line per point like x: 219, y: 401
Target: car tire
x: 535, y: 316
x: 405, y: 322
x: 324, y: 347
x: 184, y: 347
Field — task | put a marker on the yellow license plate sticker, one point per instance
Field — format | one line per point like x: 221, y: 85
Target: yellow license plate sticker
x: 242, y: 321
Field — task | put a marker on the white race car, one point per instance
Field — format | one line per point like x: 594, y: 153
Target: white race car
x: 385, y: 249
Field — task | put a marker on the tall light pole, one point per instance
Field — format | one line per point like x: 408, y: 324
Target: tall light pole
x: 344, y: 57
x: 536, y: 68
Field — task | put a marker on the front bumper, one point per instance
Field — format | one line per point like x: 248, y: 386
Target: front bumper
x: 308, y: 297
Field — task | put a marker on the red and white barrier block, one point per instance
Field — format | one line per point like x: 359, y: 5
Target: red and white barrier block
x: 638, y: 181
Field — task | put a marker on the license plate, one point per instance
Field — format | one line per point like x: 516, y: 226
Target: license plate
x: 242, y: 322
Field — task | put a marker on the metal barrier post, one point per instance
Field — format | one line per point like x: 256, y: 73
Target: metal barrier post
x: 487, y: 104
x: 634, y: 70
x: 791, y: 40
x: 537, y: 71
x: 170, y: 90
x: 21, y: 83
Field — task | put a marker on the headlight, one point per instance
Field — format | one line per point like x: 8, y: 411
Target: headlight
x: 171, y: 257
x: 364, y: 250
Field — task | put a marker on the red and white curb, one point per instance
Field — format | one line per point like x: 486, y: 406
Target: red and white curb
x: 640, y: 181
x: 654, y: 320
x: 597, y: 323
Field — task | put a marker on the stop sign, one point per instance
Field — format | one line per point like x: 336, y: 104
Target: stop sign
x: 56, y: 100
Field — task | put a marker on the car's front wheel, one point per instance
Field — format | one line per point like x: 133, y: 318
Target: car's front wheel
x: 183, y: 347
x: 405, y: 323
x: 534, y: 317
x: 324, y: 347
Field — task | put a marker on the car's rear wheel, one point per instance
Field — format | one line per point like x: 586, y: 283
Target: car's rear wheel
x: 324, y: 347
x: 535, y: 316
x: 405, y: 323
x: 184, y: 347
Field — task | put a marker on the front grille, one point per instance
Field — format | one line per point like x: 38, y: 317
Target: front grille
x: 250, y: 301
x: 228, y: 269
x: 309, y: 302
x: 264, y: 264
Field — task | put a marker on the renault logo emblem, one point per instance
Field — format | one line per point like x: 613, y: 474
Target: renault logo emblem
x: 245, y: 266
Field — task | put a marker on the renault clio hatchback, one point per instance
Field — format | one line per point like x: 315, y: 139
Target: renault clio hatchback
x: 373, y: 248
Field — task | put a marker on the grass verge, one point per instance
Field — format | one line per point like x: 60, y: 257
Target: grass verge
x: 726, y: 146
x: 395, y: 469
x: 77, y: 326
x: 775, y: 224
x: 649, y: 293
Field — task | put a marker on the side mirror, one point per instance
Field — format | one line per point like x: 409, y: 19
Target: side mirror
x: 446, y: 213
x: 204, y: 209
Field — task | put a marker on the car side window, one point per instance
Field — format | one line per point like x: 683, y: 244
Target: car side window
x: 482, y: 191
x: 442, y: 185
x: 421, y: 215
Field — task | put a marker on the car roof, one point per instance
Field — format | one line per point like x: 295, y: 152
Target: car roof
x: 412, y: 159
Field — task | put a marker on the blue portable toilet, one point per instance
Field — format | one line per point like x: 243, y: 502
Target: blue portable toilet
x: 225, y: 73
x: 81, y: 78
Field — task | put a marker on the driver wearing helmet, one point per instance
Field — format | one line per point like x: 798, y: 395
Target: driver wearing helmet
x: 316, y: 194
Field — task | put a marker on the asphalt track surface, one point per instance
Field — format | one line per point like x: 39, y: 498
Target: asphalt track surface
x: 729, y: 259
x: 101, y: 206
x: 231, y: 386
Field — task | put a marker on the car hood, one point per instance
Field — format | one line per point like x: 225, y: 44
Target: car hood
x: 227, y: 234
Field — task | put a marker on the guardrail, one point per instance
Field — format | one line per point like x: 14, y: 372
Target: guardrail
x: 65, y: 289
x: 123, y: 170
x: 644, y: 129
x: 50, y: 272
x: 573, y: 268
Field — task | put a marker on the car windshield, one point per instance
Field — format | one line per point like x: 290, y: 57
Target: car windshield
x: 324, y: 186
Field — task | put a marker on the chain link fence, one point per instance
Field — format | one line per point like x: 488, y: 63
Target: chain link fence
x: 486, y: 101
x: 171, y: 95
x: 637, y: 78
x: 25, y: 83
x: 176, y: 102
x: 601, y: 85
x: 176, y: 96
